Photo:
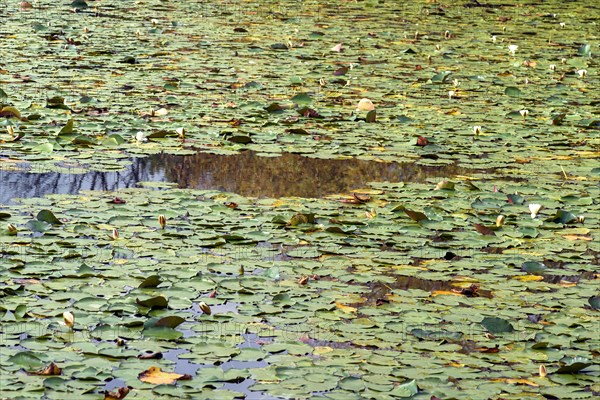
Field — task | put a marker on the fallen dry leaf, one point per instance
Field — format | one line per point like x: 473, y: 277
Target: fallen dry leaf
x: 155, y: 376
x: 118, y: 394
x: 51, y: 369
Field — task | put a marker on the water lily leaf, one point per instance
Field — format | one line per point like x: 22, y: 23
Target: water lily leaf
x: 496, y: 325
x: 405, y: 390
x: 79, y: 4
x: 416, y: 215
x: 170, y: 322
x: 38, y: 226
x: 274, y: 107
x: 242, y: 139
x: 594, y: 302
x: 84, y: 140
x: 155, y: 376
x: 26, y: 359
x: 558, y: 119
x: 533, y: 267
x: 441, y: 77
x: 48, y: 216
x: 584, y: 50
x: 563, y: 217
x: 371, y: 116
x: 153, y: 302
x: 513, y: 91
x: 302, y: 98
x: 4, y: 215
x: 43, y: 148
x: 515, y: 199
x: 150, y: 282
x: 161, y: 134
x: 68, y: 128
x: 573, y: 365
x: 484, y: 230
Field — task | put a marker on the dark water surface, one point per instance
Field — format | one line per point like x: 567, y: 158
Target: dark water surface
x: 246, y: 174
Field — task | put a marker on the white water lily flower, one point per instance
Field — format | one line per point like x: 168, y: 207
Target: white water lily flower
x: 512, y: 48
x: 451, y: 94
x: 365, y: 105
x: 337, y: 47
x: 494, y: 39
x: 477, y: 130
x: 140, y: 137
x: 12, y: 230
x: 582, y: 73
x: 562, y: 24
x: 69, y: 319
x: 500, y: 220
x: 524, y: 113
x: 553, y: 67
x: 455, y: 82
x: 535, y: 209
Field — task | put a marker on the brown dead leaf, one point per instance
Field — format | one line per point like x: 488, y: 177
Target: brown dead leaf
x: 118, y: 394
x: 484, y: 230
x: 51, y: 369
x: 578, y: 237
x: 155, y: 376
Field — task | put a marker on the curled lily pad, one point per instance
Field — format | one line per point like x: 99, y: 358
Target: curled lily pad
x: 48, y: 216
x: 496, y: 325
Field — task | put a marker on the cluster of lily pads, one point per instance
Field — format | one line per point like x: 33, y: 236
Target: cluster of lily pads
x: 394, y: 291
x: 482, y: 285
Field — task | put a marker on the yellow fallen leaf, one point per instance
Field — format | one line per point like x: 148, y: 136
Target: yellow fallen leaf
x: 345, y: 308
x: 529, y: 278
x: 156, y: 376
x: 442, y: 292
x: 322, y: 350
x: 578, y: 237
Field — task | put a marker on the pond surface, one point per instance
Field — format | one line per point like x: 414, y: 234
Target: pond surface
x: 246, y: 173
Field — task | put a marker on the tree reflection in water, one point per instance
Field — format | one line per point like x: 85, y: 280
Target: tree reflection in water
x: 246, y: 174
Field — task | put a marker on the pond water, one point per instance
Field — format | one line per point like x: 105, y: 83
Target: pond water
x: 246, y: 173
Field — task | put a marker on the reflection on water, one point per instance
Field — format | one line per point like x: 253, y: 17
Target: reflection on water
x: 246, y: 174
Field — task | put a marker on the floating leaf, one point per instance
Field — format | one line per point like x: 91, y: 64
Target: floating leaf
x: 170, y: 322
x: 371, y: 116
x: 572, y: 365
x: 444, y: 185
x: 563, y: 217
x: 302, y: 98
x: 150, y: 282
x: 441, y: 77
x: 513, y: 91
x: 484, y: 230
x: 118, y: 394
x: 416, y: 215
x: 594, y: 302
x: 533, y: 267
x: 48, y: 216
x: 10, y: 112
x: 496, y: 325
x: 155, y: 376
x: 153, y: 302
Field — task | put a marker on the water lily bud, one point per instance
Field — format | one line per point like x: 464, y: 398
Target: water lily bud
x: 180, y: 133
x: 115, y: 234
x: 438, y: 47
x: 10, y: 130
x: 582, y: 73
x: 120, y: 342
x: 562, y: 24
x: 451, y: 94
x: 477, y: 130
x: 455, y: 82
x: 86, y: 29
x: 553, y: 67
x: 204, y: 307
x: 494, y: 39
x: 543, y: 371
x: 500, y: 220
x: 365, y: 105
x: 512, y: 48
x: 162, y: 221
x: 524, y: 113
x: 563, y: 60
x: 535, y: 209
x: 580, y: 219
x: 12, y: 230
x: 447, y: 35
x: 69, y: 319
x: 140, y: 137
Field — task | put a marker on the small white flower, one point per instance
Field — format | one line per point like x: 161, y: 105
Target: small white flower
x: 155, y: 21
x: 563, y: 60
x: 582, y: 73
x: 535, y: 209
x: 69, y: 319
x: 477, y: 130
x: 140, y: 137
x: 500, y: 220
x: 512, y: 48
x: 494, y: 39
x: 180, y: 133
x: 524, y: 113
x: 451, y: 93
x: 553, y: 67
x: 455, y: 82
x: 562, y: 24
x: 447, y: 35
